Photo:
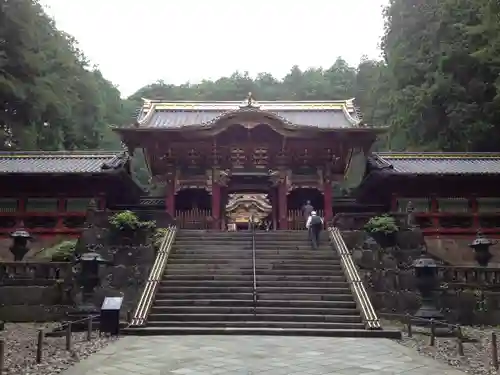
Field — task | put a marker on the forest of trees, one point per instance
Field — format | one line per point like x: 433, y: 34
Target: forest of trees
x: 436, y: 88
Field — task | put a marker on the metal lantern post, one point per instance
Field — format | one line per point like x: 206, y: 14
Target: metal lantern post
x: 19, y: 247
x: 481, y: 246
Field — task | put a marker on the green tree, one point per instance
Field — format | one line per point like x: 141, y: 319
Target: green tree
x: 51, y: 98
x: 442, y: 93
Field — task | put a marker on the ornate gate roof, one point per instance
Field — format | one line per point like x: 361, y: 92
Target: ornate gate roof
x: 333, y: 114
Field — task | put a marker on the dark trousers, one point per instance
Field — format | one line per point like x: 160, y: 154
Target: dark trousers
x: 314, y: 232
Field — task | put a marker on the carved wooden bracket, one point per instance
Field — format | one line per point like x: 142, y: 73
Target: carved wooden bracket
x: 281, y: 176
x: 221, y: 177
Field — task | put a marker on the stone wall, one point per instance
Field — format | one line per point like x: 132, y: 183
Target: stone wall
x: 456, y: 251
x: 132, y: 259
x: 46, y: 297
x: 390, y: 281
x: 32, y: 303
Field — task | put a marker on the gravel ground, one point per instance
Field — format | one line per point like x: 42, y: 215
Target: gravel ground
x: 477, y: 358
x: 20, y: 349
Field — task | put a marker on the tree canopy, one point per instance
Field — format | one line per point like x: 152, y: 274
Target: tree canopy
x: 50, y: 96
x: 436, y: 87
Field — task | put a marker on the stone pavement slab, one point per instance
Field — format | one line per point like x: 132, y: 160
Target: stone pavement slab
x: 264, y: 355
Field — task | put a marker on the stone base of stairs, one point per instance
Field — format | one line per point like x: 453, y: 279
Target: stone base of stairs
x: 161, y: 331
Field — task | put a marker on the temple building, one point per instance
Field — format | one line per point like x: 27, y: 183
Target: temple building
x: 48, y: 193
x: 214, y: 165
x: 450, y: 193
x: 202, y: 153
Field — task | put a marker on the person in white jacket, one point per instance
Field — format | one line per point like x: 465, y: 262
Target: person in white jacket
x: 314, y: 225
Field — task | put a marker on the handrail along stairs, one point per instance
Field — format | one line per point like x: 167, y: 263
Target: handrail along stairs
x: 155, y: 275
x: 368, y: 313
x: 254, y: 291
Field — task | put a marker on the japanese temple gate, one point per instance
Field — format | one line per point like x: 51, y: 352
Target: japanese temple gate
x: 199, y: 153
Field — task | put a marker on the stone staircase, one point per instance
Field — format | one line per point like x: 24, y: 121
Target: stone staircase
x: 207, y: 288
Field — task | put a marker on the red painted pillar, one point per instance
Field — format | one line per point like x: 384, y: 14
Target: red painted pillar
x: 216, y: 190
x: 282, y: 205
x: 61, y: 207
x: 327, y: 196
x: 170, y: 200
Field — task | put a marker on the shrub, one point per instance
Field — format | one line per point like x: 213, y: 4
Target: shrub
x: 61, y: 252
x: 127, y: 220
x: 381, y: 224
x: 158, y: 237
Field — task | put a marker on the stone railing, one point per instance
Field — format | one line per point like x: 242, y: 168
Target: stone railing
x: 34, y: 273
x: 470, y: 277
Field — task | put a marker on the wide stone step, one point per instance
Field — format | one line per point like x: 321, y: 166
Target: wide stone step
x: 256, y: 331
x: 254, y: 317
x: 204, y: 289
x: 204, y: 302
x: 212, y: 266
x: 204, y: 271
x: 351, y: 314
x: 298, y: 266
x: 260, y: 268
x: 259, y: 263
x: 210, y: 261
x: 350, y: 304
x: 207, y: 242
x: 260, y: 284
x: 300, y: 290
x: 260, y: 303
x: 231, y: 254
x: 249, y: 277
x: 169, y: 295
x: 300, y: 262
x: 344, y: 295
x: 205, y: 283
x: 256, y: 324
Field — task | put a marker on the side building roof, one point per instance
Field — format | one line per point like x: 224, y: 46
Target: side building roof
x: 61, y: 162
x: 432, y: 163
x: 172, y: 115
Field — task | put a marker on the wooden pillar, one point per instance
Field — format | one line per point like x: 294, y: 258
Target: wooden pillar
x: 327, y: 196
x: 21, y: 208
x: 274, y: 202
x: 61, y: 208
x: 216, y: 203
x: 434, y: 212
x: 170, y: 199
x: 102, y: 202
x: 282, y: 205
x: 394, y: 203
x: 475, y: 212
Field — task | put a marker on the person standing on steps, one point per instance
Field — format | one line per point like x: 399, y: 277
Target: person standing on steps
x: 307, y: 209
x: 314, y: 226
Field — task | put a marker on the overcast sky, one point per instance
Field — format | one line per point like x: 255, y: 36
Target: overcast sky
x: 138, y: 42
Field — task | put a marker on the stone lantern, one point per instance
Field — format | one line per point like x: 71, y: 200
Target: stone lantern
x: 426, y: 280
x: 89, y: 278
x: 481, y: 246
x: 19, y: 247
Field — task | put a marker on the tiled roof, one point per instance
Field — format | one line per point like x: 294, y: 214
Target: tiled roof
x: 61, y: 162
x: 438, y: 163
x: 323, y: 115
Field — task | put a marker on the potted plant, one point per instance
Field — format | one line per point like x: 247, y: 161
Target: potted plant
x: 382, y: 229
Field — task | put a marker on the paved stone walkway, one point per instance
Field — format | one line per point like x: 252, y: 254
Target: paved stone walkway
x: 263, y: 355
